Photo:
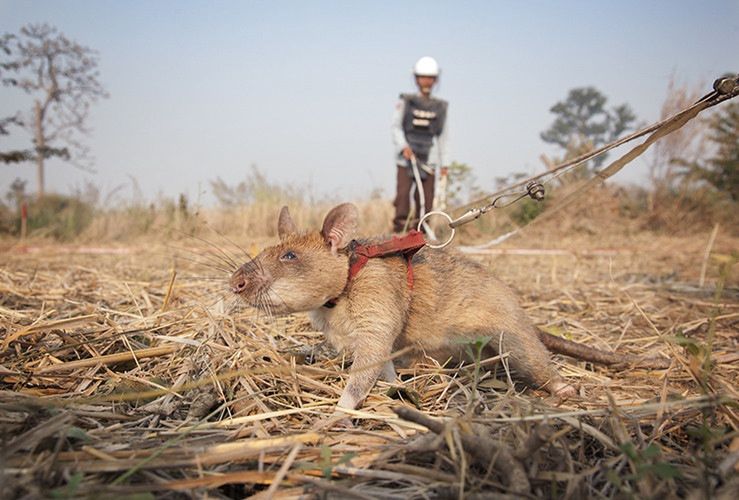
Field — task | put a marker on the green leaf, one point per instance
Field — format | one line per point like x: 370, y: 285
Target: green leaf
x: 682, y: 340
x: 629, y: 450
x: 651, y: 451
x: 665, y: 470
x: 346, y: 458
x: 79, y: 434
x: 613, y: 478
x: 70, y: 489
x: 691, y: 346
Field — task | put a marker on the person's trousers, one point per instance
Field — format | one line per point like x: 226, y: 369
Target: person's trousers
x: 404, y: 184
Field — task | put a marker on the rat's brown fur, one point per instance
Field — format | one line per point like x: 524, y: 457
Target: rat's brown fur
x: 454, y: 301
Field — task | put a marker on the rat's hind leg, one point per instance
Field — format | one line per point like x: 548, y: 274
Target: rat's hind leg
x: 531, y: 360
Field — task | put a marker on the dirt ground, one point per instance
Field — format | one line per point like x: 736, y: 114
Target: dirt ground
x: 128, y: 371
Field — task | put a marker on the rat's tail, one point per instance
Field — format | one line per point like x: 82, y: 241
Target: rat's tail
x: 583, y: 352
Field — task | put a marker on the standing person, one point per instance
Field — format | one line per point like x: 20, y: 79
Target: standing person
x: 420, y: 135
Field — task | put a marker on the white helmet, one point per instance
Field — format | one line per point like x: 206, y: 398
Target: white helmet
x: 426, y: 66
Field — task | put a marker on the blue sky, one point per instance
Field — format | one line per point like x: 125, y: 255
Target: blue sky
x: 305, y: 90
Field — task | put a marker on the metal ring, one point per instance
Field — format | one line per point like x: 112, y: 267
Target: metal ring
x: 444, y: 214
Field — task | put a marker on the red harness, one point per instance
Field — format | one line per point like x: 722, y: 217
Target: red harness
x: 406, y: 245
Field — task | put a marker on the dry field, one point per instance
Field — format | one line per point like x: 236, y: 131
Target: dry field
x: 126, y: 371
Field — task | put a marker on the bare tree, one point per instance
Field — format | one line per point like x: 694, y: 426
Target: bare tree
x: 61, y: 76
x: 7, y: 67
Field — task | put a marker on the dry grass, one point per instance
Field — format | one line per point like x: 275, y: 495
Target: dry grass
x: 124, y: 371
x: 140, y: 223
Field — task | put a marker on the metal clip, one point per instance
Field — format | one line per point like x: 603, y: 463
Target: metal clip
x: 468, y: 216
x: 535, y: 190
x: 726, y: 85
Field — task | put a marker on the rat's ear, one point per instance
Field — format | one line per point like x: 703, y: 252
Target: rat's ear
x: 285, y: 224
x: 339, y: 226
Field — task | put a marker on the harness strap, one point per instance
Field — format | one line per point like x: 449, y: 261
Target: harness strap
x: 406, y: 245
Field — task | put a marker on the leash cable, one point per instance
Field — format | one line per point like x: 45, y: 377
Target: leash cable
x: 724, y: 88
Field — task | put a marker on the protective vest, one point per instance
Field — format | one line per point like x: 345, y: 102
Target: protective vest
x: 423, y: 120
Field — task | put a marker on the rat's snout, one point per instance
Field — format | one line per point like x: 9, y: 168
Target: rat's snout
x: 249, y: 279
x: 238, y: 281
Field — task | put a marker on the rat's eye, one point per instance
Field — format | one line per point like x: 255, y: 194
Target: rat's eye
x: 289, y: 255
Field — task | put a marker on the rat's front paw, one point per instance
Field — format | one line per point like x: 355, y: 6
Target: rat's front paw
x: 563, y: 390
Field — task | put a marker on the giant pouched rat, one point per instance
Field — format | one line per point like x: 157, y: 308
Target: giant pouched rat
x: 380, y: 311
